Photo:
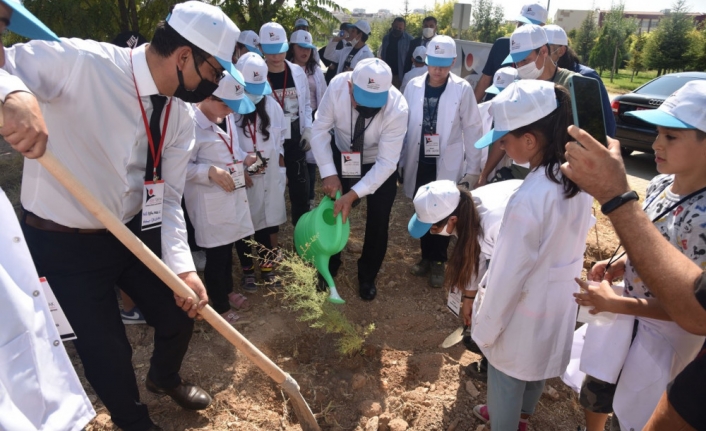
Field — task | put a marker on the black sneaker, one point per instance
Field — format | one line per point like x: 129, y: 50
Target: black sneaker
x: 421, y: 268
x: 436, y: 279
x: 367, y: 290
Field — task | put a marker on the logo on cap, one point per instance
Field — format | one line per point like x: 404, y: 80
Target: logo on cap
x: 238, y: 89
x: 516, y: 44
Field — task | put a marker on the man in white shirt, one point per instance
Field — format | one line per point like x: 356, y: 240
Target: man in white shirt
x: 369, y: 118
x: 79, y: 85
x: 51, y: 399
x: 349, y: 56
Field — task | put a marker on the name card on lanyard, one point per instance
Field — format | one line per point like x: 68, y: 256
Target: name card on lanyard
x: 236, y: 167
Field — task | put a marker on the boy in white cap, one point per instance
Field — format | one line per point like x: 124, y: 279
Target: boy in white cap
x: 443, y: 125
x: 631, y: 383
x: 143, y: 150
x: 532, y: 13
x: 419, y: 66
x: 369, y: 119
x: 36, y: 369
x: 247, y: 42
x: 348, y: 57
x: 503, y: 77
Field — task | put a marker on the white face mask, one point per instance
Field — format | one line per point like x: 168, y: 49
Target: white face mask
x: 354, y: 42
x: 254, y: 98
x: 530, y: 71
x: 428, y: 33
x: 443, y: 231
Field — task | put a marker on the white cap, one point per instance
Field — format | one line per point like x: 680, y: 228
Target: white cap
x: 682, y: 110
x: 520, y: 104
x: 302, y: 38
x: 533, y: 13
x: 371, y: 79
x: 207, y: 27
x: 502, y: 78
x: 523, y: 41
x: 301, y: 22
x: 419, y: 54
x: 441, y: 51
x: 433, y: 202
x: 254, y: 70
x: 556, y: 35
x: 273, y: 38
x: 251, y: 40
x: 363, y: 26
x: 232, y: 93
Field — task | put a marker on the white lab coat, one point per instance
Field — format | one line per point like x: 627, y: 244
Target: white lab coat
x: 339, y: 56
x: 39, y: 389
x: 266, y: 196
x: 320, y: 83
x: 458, y: 124
x: 219, y: 217
x: 526, y: 309
x: 301, y: 84
x: 413, y: 73
x: 382, y: 139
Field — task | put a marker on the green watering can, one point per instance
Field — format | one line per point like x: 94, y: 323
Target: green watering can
x: 331, y: 236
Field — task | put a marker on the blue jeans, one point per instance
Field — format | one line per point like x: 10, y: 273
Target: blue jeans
x: 509, y: 397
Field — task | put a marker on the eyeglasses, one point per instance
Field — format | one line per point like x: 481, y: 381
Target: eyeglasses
x: 218, y: 74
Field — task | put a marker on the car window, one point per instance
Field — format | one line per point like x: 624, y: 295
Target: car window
x: 664, y: 86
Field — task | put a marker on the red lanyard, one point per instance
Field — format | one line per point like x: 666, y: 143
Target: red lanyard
x: 284, y: 88
x: 156, y: 152
x: 229, y: 145
x: 252, y: 131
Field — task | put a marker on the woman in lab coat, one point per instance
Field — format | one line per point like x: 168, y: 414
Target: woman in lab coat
x: 260, y: 134
x: 215, y: 192
x: 443, y: 125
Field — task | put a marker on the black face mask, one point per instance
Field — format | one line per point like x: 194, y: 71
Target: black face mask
x: 396, y: 33
x: 367, y: 112
x: 197, y: 95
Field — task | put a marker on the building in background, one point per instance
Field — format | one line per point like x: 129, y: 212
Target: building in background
x: 570, y: 19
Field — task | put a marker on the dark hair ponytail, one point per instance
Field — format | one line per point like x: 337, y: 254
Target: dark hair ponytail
x: 464, y: 261
x: 260, y: 111
x: 552, y: 135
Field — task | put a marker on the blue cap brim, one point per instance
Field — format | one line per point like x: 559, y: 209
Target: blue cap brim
x: 490, y: 137
x: 516, y: 57
x: 438, y: 61
x: 416, y: 228
x: 660, y: 118
x: 259, y: 89
x: 368, y: 99
x: 231, y: 70
x: 24, y: 23
x: 253, y: 49
x: 242, y: 106
x: 493, y: 89
x: 306, y: 45
x: 274, y: 48
x: 525, y: 20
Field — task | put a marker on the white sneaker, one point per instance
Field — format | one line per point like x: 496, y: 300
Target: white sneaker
x: 199, y: 259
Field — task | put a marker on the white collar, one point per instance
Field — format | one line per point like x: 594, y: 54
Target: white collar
x: 143, y: 76
x: 203, y: 122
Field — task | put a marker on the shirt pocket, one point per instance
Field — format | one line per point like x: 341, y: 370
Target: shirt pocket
x: 220, y: 208
x: 18, y: 373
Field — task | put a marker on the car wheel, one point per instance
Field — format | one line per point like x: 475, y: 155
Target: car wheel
x: 625, y: 151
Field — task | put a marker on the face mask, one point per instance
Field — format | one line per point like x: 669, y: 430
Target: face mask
x: 354, y: 42
x: 199, y: 94
x: 530, y: 71
x: 367, y: 112
x: 443, y: 231
x: 396, y: 33
x: 254, y: 98
x: 428, y: 33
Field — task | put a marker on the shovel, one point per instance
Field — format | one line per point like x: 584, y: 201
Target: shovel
x: 135, y: 245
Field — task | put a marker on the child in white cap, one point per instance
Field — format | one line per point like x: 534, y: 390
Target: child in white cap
x: 247, y: 42
x: 443, y: 125
x: 631, y: 381
x: 348, y: 57
x: 260, y: 134
x: 419, y: 67
x: 215, y: 195
x: 526, y: 313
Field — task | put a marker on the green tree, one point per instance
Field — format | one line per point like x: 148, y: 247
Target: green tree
x: 636, y: 64
x: 668, y: 46
x: 585, y: 38
x: 600, y: 56
x: 486, y: 20
x: 614, y: 34
x: 697, y: 49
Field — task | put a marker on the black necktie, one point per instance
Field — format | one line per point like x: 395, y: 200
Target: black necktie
x: 158, y: 103
x: 358, y: 135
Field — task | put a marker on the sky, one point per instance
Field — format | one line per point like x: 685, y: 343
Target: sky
x: 512, y: 7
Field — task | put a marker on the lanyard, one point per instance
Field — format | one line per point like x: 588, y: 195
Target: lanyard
x: 229, y: 145
x: 156, y: 152
x: 353, y: 138
x: 431, y: 117
x: 252, y: 131
x: 284, y: 88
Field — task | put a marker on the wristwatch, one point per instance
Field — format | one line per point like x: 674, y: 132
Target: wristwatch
x: 617, y: 201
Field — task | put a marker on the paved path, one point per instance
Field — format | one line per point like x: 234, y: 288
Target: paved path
x: 641, y: 169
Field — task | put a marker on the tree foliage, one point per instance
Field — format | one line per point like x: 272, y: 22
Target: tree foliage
x: 668, y: 46
x: 585, y: 38
x: 697, y: 49
x: 611, y: 47
x: 636, y: 63
x: 486, y: 21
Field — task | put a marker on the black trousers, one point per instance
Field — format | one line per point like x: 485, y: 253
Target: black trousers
x: 377, y: 223
x: 297, y: 178
x: 83, y: 271
x: 218, y: 275
x: 262, y: 237
x: 434, y: 247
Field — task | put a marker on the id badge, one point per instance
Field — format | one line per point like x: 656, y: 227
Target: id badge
x: 432, y: 148
x: 287, y: 127
x: 57, y: 314
x: 238, y: 174
x: 152, y: 204
x: 453, y: 303
x: 350, y: 165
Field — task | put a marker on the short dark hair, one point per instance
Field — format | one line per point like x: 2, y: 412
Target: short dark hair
x: 166, y: 40
x: 429, y: 18
x: 399, y: 19
x: 569, y: 60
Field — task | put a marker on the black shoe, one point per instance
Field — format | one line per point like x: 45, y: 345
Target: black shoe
x: 186, y: 395
x: 421, y: 268
x: 367, y: 290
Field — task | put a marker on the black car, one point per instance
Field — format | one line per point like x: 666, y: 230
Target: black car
x: 633, y: 133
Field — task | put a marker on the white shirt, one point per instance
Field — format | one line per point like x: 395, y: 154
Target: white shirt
x: 491, y: 201
x: 88, y: 99
x: 526, y: 311
x: 39, y: 389
x: 413, y: 73
x: 339, y: 56
x: 382, y: 139
x: 219, y: 217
